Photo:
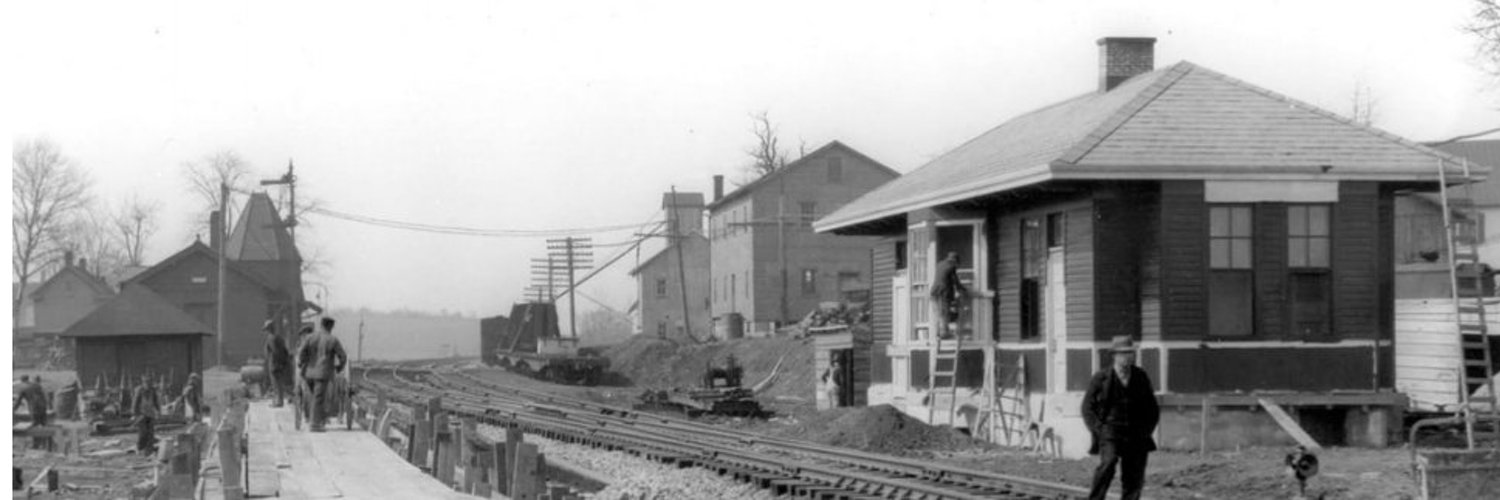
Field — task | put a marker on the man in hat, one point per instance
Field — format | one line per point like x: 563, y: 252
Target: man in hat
x: 278, y: 363
x: 145, y: 405
x: 947, y: 294
x: 1121, y: 412
x: 35, y: 397
x: 320, y: 358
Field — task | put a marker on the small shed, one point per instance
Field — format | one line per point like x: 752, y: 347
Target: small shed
x: 138, y: 333
x: 852, y: 349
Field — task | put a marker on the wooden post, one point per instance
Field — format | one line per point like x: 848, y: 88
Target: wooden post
x: 1203, y: 426
x: 421, y: 442
x: 469, y: 433
x: 229, y: 462
x: 525, y: 485
x: 502, y: 470
x: 442, y: 451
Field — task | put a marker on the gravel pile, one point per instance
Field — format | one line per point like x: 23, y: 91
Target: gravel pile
x: 633, y: 477
x: 879, y: 429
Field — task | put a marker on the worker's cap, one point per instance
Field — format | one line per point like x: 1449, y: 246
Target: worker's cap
x: 269, y: 325
x: 1123, y: 343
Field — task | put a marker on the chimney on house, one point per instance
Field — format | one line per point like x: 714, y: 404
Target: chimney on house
x: 718, y: 187
x: 67, y: 258
x: 1121, y: 58
x: 215, y: 231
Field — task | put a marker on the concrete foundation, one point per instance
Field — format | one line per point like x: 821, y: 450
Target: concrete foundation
x: 1231, y: 427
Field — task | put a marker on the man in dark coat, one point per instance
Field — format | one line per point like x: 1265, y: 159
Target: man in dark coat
x: 145, y: 405
x: 1121, y: 412
x: 34, y: 397
x: 947, y: 294
x: 320, y: 358
x: 278, y: 363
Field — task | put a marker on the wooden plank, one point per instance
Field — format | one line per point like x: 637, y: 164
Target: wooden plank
x: 526, y: 482
x: 229, y: 462
x: 1288, y: 424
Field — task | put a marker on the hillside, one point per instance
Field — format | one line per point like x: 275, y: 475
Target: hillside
x: 652, y: 362
x: 407, y: 335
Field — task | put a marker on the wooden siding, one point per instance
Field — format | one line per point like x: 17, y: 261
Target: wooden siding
x: 1270, y: 258
x: 884, y: 258
x: 1149, y: 245
x: 1184, y: 259
x: 1121, y: 221
x: 1356, y: 277
x: 1079, y: 272
x: 110, y: 358
x: 1008, y: 278
x: 1426, y: 356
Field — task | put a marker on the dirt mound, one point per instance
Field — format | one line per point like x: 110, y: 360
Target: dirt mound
x: 880, y: 429
x: 650, y: 362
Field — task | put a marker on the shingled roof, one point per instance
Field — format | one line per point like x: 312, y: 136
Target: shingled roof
x: 1183, y: 121
x: 1479, y: 152
x: 260, y: 233
x: 136, y: 311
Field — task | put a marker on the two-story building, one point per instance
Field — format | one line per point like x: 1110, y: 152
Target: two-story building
x: 66, y: 296
x: 683, y: 266
x: 1243, y: 237
x: 768, y: 267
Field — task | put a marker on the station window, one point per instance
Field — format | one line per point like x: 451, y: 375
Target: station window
x: 1231, y: 303
x: 1308, y: 255
x: 809, y: 281
x: 661, y: 287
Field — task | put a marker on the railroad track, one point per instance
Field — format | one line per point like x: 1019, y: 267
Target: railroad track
x: 769, y: 462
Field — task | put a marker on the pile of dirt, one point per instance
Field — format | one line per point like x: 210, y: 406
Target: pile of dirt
x: 879, y: 429
x: 650, y: 362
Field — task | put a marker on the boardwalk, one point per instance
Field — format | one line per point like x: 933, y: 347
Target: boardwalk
x: 339, y: 463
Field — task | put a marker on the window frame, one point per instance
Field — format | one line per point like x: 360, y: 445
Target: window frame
x: 1233, y: 267
x: 809, y: 281
x: 661, y: 287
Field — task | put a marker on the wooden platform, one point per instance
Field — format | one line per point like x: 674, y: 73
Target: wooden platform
x: 287, y: 463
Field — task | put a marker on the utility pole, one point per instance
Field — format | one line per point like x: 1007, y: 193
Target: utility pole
x: 574, y: 254
x: 222, y: 312
x: 361, y: 339
x: 677, y: 239
x: 289, y: 179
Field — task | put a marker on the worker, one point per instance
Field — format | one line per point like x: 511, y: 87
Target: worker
x: 833, y: 377
x: 145, y: 405
x: 319, y: 359
x: 35, y: 398
x: 278, y: 363
x: 192, y: 395
x: 67, y: 401
x: 1121, y: 412
x: 947, y: 295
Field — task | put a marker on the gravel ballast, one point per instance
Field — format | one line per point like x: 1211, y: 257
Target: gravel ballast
x: 632, y: 477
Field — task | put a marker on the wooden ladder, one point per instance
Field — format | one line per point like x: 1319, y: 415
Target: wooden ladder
x: 1476, y: 368
x: 944, y: 364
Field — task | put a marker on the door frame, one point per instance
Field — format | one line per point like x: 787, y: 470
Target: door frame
x: 1055, y: 318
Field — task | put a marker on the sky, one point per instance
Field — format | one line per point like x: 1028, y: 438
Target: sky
x: 543, y: 115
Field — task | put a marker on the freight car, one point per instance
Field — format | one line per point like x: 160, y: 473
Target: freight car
x: 532, y: 345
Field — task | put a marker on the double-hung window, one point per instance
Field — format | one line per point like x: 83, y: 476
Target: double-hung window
x: 1231, y: 274
x: 1309, y: 252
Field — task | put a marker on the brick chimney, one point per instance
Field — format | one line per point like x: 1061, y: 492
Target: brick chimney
x: 67, y: 258
x: 1121, y: 58
x: 718, y: 187
x: 215, y: 231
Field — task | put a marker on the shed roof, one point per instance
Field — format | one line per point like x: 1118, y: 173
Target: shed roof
x: 136, y: 311
x: 260, y: 233
x: 798, y: 163
x: 1183, y: 121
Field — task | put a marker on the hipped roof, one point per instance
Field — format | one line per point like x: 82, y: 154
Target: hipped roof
x: 1179, y: 122
x: 260, y: 233
x: 136, y: 311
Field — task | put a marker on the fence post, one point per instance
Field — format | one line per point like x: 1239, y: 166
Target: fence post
x: 526, y: 484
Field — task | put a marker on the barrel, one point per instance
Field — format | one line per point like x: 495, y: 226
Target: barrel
x: 252, y: 373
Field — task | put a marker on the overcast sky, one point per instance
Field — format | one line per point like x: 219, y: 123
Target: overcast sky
x: 536, y: 115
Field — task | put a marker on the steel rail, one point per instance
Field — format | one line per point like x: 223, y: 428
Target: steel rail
x: 623, y: 428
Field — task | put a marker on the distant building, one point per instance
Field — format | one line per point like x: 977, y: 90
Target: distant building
x: 660, y: 279
x: 138, y: 333
x: 66, y: 296
x: 25, y: 322
x: 768, y: 266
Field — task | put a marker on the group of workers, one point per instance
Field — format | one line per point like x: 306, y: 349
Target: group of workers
x: 318, y: 357
x: 144, y: 405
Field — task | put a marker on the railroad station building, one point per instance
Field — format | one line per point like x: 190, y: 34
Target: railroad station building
x: 1244, y: 238
x: 768, y: 267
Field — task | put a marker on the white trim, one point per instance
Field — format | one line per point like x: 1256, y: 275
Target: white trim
x: 1272, y: 191
x: 1019, y: 178
x: 1250, y: 173
x: 1232, y: 344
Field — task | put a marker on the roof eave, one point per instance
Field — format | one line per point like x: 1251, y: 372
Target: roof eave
x: 1018, y: 179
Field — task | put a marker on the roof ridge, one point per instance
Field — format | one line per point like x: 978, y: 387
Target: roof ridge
x: 1305, y: 106
x: 1169, y: 77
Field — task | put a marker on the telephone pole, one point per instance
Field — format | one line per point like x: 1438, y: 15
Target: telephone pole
x: 289, y: 179
x: 222, y: 312
x: 575, y: 254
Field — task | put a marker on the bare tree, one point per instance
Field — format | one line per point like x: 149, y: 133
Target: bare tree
x: 206, y: 174
x: 133, y: 223
x: 766, y: 152
x: 88, y: 236
x: 1363, y: 104
x: 1485, y: 27
x: 47, y: 190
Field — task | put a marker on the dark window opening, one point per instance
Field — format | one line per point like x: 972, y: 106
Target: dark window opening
x: 919, y: 370
x: 661, y: 287
x: 900, y: 255
x: 1033, y: 269
x: 1056, y: 230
